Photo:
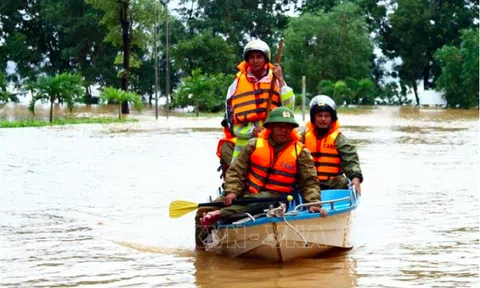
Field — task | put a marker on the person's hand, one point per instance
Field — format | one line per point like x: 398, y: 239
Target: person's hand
x: 257, y: 130
x: 227, y: 201
x: 277, y: 71
x: 356, y: 183
x: 314, y: 209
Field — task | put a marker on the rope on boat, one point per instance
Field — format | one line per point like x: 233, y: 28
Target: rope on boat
x: 280, y: 213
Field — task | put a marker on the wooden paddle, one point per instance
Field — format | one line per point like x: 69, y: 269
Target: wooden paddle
x: 274, y: 79
x: 179, y: 208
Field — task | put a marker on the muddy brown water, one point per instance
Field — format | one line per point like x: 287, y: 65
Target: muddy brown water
x: 87, y: 205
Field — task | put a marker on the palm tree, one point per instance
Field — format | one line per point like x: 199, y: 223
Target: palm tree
x: 120, y: 97
x: 65, y: 87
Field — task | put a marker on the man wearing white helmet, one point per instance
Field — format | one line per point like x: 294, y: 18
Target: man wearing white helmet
x: 247, y: 96
x: 334, y: 156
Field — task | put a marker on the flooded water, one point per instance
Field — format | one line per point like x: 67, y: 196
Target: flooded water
x: 87, y: 205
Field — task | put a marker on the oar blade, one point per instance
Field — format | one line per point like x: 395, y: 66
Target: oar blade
x: 179, y: 208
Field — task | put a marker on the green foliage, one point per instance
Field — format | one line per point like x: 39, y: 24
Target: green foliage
x: 340, y: 92
x: 417, y: 29
x: 140, y: 15
x: 66, y: 121
x: 130, y: 24
x: 117, y: 95
x: 65, y: 87
x: 326, y: 87
x: 299, y: 99
x: 327, y: 46
x: 328, y: 42
x: 365, y: 92
x: 392, y: 94
x: 312, y: 6
x: 349, y: 91
x: 210, y: 53
x: 238, y: 21
x: 460, y: 72
x: 203, y: 91
x: 5, y: 96
x: 52, y: 37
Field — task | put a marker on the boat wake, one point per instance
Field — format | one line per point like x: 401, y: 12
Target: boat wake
x: 179, y: 252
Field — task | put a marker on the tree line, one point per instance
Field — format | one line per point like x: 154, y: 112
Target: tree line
x: 335, y: 44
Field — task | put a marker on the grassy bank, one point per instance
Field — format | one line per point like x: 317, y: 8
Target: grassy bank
x: 59, y: 122
x: 194, y: 114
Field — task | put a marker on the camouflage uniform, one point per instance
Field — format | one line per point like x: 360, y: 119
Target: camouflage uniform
x: 227, y: 153
x: 307, y: 181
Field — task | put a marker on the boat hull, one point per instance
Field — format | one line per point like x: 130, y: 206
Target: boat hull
x: 279, y: 241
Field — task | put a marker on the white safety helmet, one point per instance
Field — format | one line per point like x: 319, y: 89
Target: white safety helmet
x: 257, y: 45
x: 322, y: 103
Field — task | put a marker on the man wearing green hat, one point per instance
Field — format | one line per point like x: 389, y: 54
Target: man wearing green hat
x: 268, y: 167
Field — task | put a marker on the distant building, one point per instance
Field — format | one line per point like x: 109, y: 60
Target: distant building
x: 428, y: 97
x: 432, y: 97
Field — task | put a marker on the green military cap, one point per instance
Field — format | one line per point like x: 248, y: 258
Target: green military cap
x: 281, y: 115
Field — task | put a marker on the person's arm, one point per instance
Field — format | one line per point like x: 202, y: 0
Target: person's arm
x: 234, y: 179
x: 228, y: 102
x: 227, y: 152
x: 286, y: 93
x: 349, y: 160
x: 244, y: 130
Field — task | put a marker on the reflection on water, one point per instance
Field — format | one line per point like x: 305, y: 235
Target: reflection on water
x: 88, y: 205
x: 336, y: 270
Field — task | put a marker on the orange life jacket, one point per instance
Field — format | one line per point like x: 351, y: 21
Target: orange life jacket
x: 228, y: 137
x: 267, y: 172
x: 324, y: 153
x: 249, y: 102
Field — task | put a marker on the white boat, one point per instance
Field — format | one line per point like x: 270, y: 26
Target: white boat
x: 282, y: 234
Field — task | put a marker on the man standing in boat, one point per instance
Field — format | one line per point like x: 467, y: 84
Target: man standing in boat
x: 335, y: 158
x: 272, y: 164
x: 247, y: 96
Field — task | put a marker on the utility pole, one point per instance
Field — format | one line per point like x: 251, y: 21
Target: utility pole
x: 156, y: 60
x: 167, y: 64
x: 304, y: 96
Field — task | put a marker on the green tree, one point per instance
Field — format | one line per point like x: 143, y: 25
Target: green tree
x: 393, y: 94
x: 460, y: 72
x: 366, y: 92
x: 350, y: 91
x: 417, y: 29
x: 361, y: 91
x: 327, y: 46
x: 326, y: 87
x: 210, y: 53
x: 238, y: 21
x: 53, y: 37
x: 341, y: 92
x: 313, y: 6
x: 5, y: 96
x: 23, y: 32
x: 375, y: 14
x: 120, y: 96
x: 130, y: 23
x: 204, y: 92
x: 65, y: 87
